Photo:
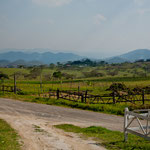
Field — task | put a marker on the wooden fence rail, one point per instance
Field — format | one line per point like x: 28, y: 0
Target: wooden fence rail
x: 85, y: 97
x: 5, y: 88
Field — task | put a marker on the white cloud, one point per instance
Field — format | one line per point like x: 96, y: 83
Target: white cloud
x: 52, y: 3
x: 99, y: 18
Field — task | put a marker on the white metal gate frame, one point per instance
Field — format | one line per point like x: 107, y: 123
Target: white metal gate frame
x: 140, y: 129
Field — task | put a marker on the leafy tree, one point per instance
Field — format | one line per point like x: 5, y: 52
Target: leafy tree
x: 35, y: 72
x: 52, y: 66
x: 18, y: 74
x: 3, y: 77
x: 57, y: 74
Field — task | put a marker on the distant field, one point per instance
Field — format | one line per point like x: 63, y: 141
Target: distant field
x: 36, y: 81
x: 138, y: 69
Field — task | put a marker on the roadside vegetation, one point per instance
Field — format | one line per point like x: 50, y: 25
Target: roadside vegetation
x: 33, y: 83
x: 86, y: 75
x: 83, y: 69
x: 116, y: 109
x: 112, y: 140
x: 8, y: 137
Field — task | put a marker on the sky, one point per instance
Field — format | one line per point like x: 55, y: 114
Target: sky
x: 95, y: 28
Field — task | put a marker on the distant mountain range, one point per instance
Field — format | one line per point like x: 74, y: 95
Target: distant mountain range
x: 15, y: 58
x: 130, y: 56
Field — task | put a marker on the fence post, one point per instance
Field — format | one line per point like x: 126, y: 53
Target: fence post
x: 11, y: 89
x: 126, y: 124
x: 39, y: 93
x: 3, y: 88
x: 15, y: 89
x: 82, y: 98
x: 41, y: 87
x: 49, y: 93
x: 78, y: 91
x: 57, y: 93
x: 85, y: 95
x: 114, y: 100
x: 143, y: 98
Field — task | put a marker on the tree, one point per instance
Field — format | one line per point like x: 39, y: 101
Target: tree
x: 57, y: 74
x: 3, y: 76
x: 52, y: 66
x: 35, y: 72
x: 18, y: 74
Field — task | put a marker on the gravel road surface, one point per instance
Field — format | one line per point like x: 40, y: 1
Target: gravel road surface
x: 34, y: 123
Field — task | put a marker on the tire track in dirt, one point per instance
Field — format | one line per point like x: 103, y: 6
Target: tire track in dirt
x: 34, y: 123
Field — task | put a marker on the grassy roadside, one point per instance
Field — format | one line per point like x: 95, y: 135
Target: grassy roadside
x: 112, y: 140
x: 116, y: 109
x: 8, y: 137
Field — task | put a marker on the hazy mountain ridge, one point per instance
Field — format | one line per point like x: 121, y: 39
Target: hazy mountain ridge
x: 131, y: 56
x: 14, y: 58
x: 46, y: 57
x: 136, y: 55
x: 115, y: 59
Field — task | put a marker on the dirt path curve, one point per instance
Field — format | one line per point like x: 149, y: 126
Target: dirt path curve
x: 34, y: 123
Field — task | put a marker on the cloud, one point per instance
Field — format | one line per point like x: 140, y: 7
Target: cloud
x: 52, y: 3
x: 99, y: 18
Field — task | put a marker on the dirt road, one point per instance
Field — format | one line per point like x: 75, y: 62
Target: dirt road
x: 34, y: 123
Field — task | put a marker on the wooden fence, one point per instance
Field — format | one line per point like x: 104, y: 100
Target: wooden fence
x: 86, y: 97
x: 5, y: 88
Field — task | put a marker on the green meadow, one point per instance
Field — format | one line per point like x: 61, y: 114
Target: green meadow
x: 112, y: 140
x: 8, y: 137
x: 34, y: 81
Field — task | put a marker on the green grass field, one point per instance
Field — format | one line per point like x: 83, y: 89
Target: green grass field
x: 127, y: 75
x: 112, y: 140
x: 94, y: 85
x: 8, y: 137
